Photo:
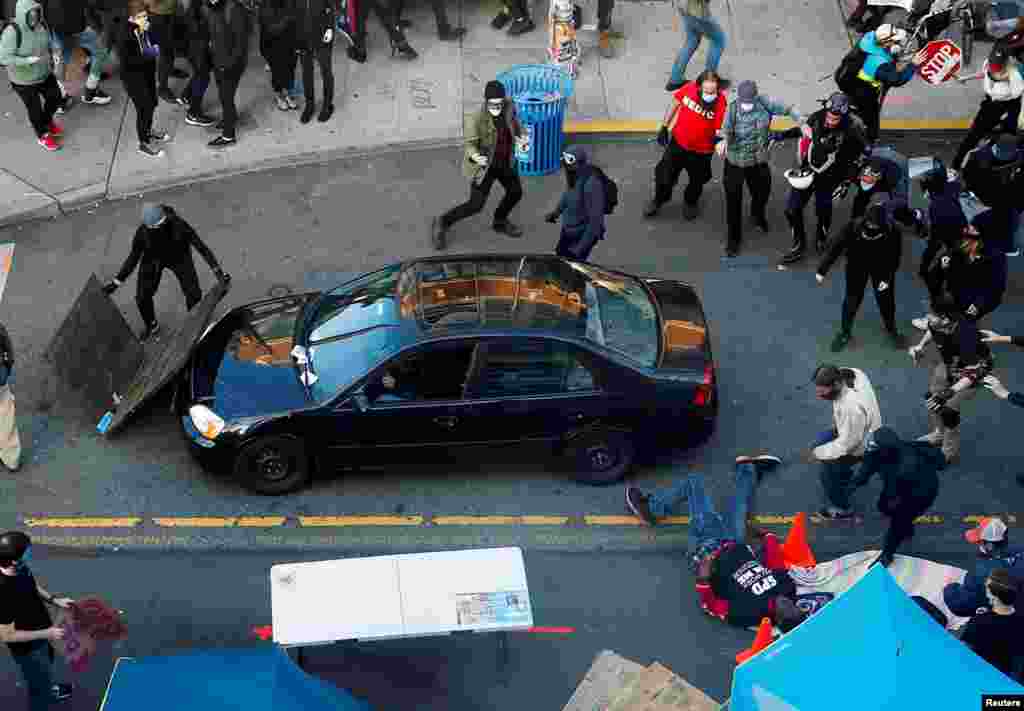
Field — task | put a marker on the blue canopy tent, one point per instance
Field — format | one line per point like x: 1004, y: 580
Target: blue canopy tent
x: 870, y: 648
x: 254, y: 679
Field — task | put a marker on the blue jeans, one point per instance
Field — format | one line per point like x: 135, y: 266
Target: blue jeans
x: 296, y: 90
x: 695, y: 28
x: 706, y: 524
x: 89, y: 41
x: 37, y: 669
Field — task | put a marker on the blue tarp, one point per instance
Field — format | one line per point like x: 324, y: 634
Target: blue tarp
x: 871, y: 648
x: 253, y: 679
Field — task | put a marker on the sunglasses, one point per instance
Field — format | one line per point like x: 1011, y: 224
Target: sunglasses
x: 569, y: 158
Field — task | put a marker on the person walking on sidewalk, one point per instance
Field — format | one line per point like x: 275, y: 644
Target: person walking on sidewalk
x: 694, y: 120
x: 873, y: 246
x: 992, y: 541
x: 278, y: 45
x: 910, y: 483
x: 77, y: 22
x: 316, y: 42
x: 698, y: 22
x: 228, y: 21
x: 10, y: 441
x: 25, y: 623
x: 163, y: 16
x: 747, y: 137
x: 855, y: 415
x: 965, y: 360
x: 488, y: 158
x: 445, y: 31
x: 835, y: 147
x: 386, y: 13
x: 518, y: 13
x: 25, y: 51
x: 1000, y: 109
x: 734, y: 584
x: 201, y: 58
x: 581, y: 206
x: 138, y: 73
x: 164, y: 241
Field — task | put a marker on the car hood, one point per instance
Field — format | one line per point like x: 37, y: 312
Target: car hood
x: 249, y: 356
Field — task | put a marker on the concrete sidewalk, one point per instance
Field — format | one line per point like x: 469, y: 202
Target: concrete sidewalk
x: 790, y: 47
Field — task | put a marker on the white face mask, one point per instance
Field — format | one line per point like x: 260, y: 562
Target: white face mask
x: 495, y: 109
x: 708, y: 98
x: 866, y: 185
x: 746, y: 107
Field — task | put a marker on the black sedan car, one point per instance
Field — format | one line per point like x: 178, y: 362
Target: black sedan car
x: 448, y: 351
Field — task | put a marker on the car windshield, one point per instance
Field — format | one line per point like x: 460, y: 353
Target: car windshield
x: 620, y: 314
x: 339, y: 363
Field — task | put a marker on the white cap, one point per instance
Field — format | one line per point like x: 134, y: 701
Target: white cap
x: 988, y: 529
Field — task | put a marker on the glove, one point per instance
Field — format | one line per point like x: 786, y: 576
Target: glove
x: 882, y: 286
x: 480, y: 159
x: 111, y: 286
x: 552, y: 217
x: 223, y: 276
x: 938, y: 400
x: 663, y: 137
x: 328, y: 35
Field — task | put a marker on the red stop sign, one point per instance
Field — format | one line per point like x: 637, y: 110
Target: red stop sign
x: 942, y: 61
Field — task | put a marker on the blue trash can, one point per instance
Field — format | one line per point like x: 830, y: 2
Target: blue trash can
x: 541, y: 93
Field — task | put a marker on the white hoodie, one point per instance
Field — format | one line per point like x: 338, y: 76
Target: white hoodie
x: 1006, y: 90
x: 856, y: 415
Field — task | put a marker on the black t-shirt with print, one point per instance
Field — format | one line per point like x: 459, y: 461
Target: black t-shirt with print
x: 996, y: 638
x: 21, y: 604
x: 748, y: 585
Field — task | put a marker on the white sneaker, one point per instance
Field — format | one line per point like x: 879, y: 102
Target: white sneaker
x: 921, y: 324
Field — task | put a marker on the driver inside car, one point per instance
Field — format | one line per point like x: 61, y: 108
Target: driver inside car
x: 397, y: 384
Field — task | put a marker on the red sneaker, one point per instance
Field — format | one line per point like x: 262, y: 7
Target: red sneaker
x: 56, y: 129
x: 48, y: 142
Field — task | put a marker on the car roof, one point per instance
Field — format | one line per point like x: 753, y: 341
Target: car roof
x: 496, y: 294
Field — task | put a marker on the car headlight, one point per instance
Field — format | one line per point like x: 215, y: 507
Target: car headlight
x: 208, y: 422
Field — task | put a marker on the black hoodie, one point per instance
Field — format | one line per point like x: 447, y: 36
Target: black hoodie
x: 277, y: 18
x: 228, y: 23
x: 315, y: 17
x: 909, y: 470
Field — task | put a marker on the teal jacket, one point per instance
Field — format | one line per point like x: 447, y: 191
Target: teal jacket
x: 35, y: 42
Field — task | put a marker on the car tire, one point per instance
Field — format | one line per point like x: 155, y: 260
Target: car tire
x: 273, y: 465
x: 600, y: 457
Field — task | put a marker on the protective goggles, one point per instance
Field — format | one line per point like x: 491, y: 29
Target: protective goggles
x: 495, y: 103
x: 569, y: 159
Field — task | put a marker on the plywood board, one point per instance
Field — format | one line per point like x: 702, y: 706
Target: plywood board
x: 606, y: 677
x: 658, y: 689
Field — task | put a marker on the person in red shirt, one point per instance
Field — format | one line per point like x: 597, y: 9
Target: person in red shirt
x: 695, y: 121
x: 734, y: 584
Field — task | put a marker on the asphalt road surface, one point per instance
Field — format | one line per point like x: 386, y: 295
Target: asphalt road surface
x: 307, y: 227
x: 642, y: 606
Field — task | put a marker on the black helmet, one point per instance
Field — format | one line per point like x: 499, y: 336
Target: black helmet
x: 13, y: 545
x: 1006, y: 149
x: 838, y: 103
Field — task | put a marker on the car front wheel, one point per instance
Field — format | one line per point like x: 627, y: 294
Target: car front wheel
x: 600, y: 458
x: 273, y: 465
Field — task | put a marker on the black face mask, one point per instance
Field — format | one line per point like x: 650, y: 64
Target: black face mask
x: 570, y: 175
x: 871, y: 232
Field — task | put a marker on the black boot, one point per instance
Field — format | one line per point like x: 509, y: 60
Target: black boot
x: 357, y: 52
x: 821, y: 239
x: 403, y: 50
x: 796, y: 251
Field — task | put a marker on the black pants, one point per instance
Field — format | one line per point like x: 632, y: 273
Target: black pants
x: 821, y: 191
x: 149, y: 281
x: 227, y: 87
x: 868, y: 102
x: 857, y: 276
x: 478, y: 193
x: 385, y: 10
x: 279, y: 53
x: 162, y: 29
x: 989, y: 116
x: 140, y: 85
x: 604, y: 14
x: 901, y: 518
x: 835, y: 479
x: 518, y: 8
x: 322, y: 54
x: 759, y: 181
x: 202, y: 62
x: 440, y: 13
x: 42, y: 101
x: 672, y: 163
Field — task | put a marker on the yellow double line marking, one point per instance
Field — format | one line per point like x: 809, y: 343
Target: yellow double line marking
x: 350, y: 521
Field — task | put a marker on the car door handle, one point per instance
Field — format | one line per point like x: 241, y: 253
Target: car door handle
x: 446, y: 421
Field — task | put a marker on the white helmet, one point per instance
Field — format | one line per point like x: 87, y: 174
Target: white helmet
x: 800, y: 178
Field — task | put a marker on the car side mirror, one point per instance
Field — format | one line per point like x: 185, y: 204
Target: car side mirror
x: 362, y: 402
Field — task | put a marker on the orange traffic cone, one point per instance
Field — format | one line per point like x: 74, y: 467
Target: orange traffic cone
x: 762, y: 640
x: 795, y: 550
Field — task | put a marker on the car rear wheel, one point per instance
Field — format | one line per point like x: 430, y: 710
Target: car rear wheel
x: 601, y: 457
x: 273, y: 465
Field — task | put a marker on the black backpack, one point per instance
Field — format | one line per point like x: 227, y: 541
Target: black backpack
x: 611, y: 191
x: 848, y: 69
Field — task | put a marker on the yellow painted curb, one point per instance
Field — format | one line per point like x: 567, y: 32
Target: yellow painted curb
x: 314, y: 521
x: 196, y: 521
x: 651, y: 126
x: 84, y: 522
x: 613, y: 521
x: 928, y: 518
x: 475, y: 520
x: 1007, y: 518
x: 261, y: 521
x: 545, y: 520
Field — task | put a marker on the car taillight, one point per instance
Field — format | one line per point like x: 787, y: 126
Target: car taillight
x: 706, y: 390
